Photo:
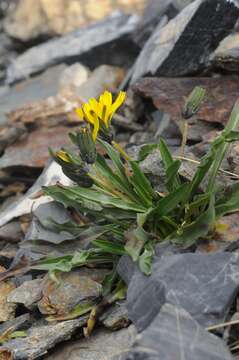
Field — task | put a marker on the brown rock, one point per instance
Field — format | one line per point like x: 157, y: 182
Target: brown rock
x: 57, y: 17
x: 169, y: 95
x: 7, y: 310
x: 72, y: 289
x: 33, y: 151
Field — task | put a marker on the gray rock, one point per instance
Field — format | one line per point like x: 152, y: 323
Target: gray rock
x: 27, y: 294
x: 174, y: 334
x: 110, y: 34
x: 226, y: 56
x: 42, y: 338
x: 102, y: 345
x: 27, y: 203
x: 11, y: 232
x: 21, y: 322
x: 39, y: 229
x: 184, y: 45
x: 116, y: 317
x: 205, y: 285
x: 38, y: 88
x: 126, y: 268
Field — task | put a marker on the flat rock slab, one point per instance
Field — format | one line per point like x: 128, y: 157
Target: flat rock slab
x: 30, y: 90
x: 169, y: 95
x: 184, y: 45
x: 102, y: 345
x: 205, y: 285
x: 174, y: 334
x: 50, y: 176
x: 40, y: 339
x: 110, y: 34
x: 226, y: 56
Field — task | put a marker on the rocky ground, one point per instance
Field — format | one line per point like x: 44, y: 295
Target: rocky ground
x: 56, y: 56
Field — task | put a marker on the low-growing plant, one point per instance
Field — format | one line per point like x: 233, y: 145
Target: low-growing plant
x: 120, y: 211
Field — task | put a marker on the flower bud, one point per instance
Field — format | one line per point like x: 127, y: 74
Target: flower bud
x: 85, y: 142
x: 193, y: 102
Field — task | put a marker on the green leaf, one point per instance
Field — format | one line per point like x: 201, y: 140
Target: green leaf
x: 141, y: 184
x: 111, y: 247
x: 229, y: 201
x: 172, y: 174
x: 233, y: 135
x: 171, y: 201
x: 145, y: 260
x: 169, y: 166
x: 135, y: 242
x: 62, y: 263
x: 189, y: 234
x: 146, y: 150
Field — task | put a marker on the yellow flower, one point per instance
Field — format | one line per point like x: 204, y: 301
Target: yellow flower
x: 99, y: 113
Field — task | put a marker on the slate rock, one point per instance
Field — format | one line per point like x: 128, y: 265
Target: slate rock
x: 41, y: 338
x: 50, y: 175
x: 174, y: 334
x: 184, y: 45
x: 21, y: 322
x: 126, y: 268
x: 116, y: 317
x: 73, y: 289
x: 31, y: 90
x: 27, y: 294
x: 40, y: 228
x: 11, y: 232
x: 226, y: 56
x: 168, y: 95
x: 205, y: 285
x: 155, y: 12
x: 102, y: 345
x: 91, y: 46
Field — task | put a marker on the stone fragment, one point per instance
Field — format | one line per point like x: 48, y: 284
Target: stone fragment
x: 42, y: 338
x: 7, y: 310
x: 73, y: 77
x: 72, y: 289
x: 60, y: 108
x: 110, y: 34
x: 57, y: 17
x: 31, y: 90
x: 28, y: 294
x: 226, y: 56
x: 42, y: 215
x: 26, y: 203
x: 33, y: 151
x: 11, y: 232
x: 205, y: 285
x: 184, y: 45
x: 102, y: 345
x: 174, y: 334
x: 126, y: 268
x: 168, y: 95
x: 116, y: 317
x: 21, y: 322
x: 155, y: 12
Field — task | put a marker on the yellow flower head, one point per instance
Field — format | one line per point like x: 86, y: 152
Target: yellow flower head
x: 99, y: 113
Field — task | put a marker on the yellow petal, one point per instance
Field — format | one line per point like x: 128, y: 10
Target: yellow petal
x: 63, y: 156
x: 95, y: 106
x: 118, y: 102
x: 89, y: 114
x: 106, y: 99
x: 80, y: 113
x: 96, y: 128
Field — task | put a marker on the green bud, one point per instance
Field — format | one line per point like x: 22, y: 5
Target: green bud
x: 86, y: 145
x: 72, y: 166
x: 193, y: 102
